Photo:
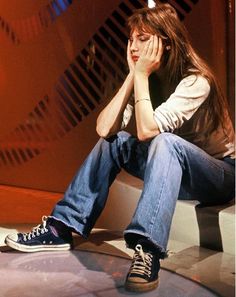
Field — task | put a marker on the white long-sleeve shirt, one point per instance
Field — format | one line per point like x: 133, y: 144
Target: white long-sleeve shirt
x: 178, y: 115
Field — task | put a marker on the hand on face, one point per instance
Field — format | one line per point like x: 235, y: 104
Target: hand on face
x: 150, y: 56
x: 130, y: 61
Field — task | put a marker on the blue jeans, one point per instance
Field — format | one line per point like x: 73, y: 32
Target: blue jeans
x: 168, y: 165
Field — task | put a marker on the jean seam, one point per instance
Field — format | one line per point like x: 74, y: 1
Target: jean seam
x: 214, y: 164
x: 158, y: 205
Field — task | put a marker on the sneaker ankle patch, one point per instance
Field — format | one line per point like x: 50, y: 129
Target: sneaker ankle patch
x: 54, y: 231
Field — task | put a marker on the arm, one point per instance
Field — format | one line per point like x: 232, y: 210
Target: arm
x: 180, y: 107
x: 148, y: 62
x: 191, y: 92
x: 110, y: 119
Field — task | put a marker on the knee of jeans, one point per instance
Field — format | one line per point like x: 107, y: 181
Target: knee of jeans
x: 123, y: 135
x: 114, y: 142
x: 167, y: 143
x: 165, y: 138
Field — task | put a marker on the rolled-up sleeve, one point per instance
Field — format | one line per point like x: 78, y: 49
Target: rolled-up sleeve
x: 127, y: 113
x: 190, y: 93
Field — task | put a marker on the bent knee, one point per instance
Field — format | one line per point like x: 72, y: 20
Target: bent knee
x: 123, y: 134
x: 166, y: 137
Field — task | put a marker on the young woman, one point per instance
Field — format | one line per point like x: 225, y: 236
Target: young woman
x: 184, y: 144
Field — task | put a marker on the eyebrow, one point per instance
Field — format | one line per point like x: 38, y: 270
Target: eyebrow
x: 141, y: 34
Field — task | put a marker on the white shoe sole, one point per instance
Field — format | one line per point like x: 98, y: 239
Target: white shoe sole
x: 38, y: 248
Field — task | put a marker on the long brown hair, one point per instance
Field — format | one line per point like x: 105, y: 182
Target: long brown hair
x: 181, y: 60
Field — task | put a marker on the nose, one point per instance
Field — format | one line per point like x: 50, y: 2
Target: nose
x: 133, y: 46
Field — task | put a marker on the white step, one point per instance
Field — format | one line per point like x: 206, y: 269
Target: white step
x: 210, y: 227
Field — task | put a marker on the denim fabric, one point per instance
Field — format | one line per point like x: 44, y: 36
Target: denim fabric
x: 169, y: 166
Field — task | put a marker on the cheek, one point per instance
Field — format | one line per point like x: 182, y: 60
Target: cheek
x: 141, y: 45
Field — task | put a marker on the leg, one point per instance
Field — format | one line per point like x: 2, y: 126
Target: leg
x: 173, y: 162
x: 86, y: 196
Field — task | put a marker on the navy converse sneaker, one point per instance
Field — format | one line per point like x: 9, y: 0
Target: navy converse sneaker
x: 143, y: 273
x: 44, y: 237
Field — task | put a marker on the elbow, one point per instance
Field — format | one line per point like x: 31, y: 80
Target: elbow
x: 143, y: 136
x: 147, y: 135
x: 102, y: 131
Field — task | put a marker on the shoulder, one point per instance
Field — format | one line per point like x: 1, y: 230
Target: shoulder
x: 194, y: 82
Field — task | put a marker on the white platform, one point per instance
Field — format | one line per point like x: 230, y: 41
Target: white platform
x: 209, y: 227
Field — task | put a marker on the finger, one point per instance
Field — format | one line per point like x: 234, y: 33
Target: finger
x: 128, y: 47
x: 128, y: 50
x: 160, y: 49
x: 155, y: 47
x: 146, y: 47
x: 150, y: 47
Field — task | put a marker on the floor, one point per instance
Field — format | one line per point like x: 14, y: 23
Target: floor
x: 98, y: 267
x: 80, y: 273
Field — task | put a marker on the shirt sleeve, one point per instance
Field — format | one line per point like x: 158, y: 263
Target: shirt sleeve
x: 127, y: 113
x: 190, y: 93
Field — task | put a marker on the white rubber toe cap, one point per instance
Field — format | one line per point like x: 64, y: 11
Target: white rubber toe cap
x: 12, y: 237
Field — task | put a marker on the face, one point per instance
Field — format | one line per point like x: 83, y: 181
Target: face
x: 137, y: 42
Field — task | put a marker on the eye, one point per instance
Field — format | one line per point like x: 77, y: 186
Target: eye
x: 144, y: 38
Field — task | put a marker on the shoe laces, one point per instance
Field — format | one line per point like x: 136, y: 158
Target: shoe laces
x: 37, y: 231
x: 142, y: 262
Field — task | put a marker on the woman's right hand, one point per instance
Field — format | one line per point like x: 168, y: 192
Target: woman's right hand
x: 150, y: 57
x: 130, y: 61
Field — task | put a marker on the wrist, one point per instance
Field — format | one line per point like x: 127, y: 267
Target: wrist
x: 141, y: 74
x: 130, y: 74
x: 142, y: 100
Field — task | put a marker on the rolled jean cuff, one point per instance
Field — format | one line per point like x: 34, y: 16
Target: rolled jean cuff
x: 72, y: 228
x: 132, y: 239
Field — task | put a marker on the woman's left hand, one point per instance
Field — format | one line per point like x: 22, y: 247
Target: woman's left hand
x: 150, y: 58
x: 129, y: 59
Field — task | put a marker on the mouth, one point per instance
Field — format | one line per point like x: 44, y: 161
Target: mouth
x: 135, y: 58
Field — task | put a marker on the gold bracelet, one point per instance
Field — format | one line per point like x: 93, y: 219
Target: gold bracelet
x: 144, y: 99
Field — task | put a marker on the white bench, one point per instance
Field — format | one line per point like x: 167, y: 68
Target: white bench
x: 210, y: 227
